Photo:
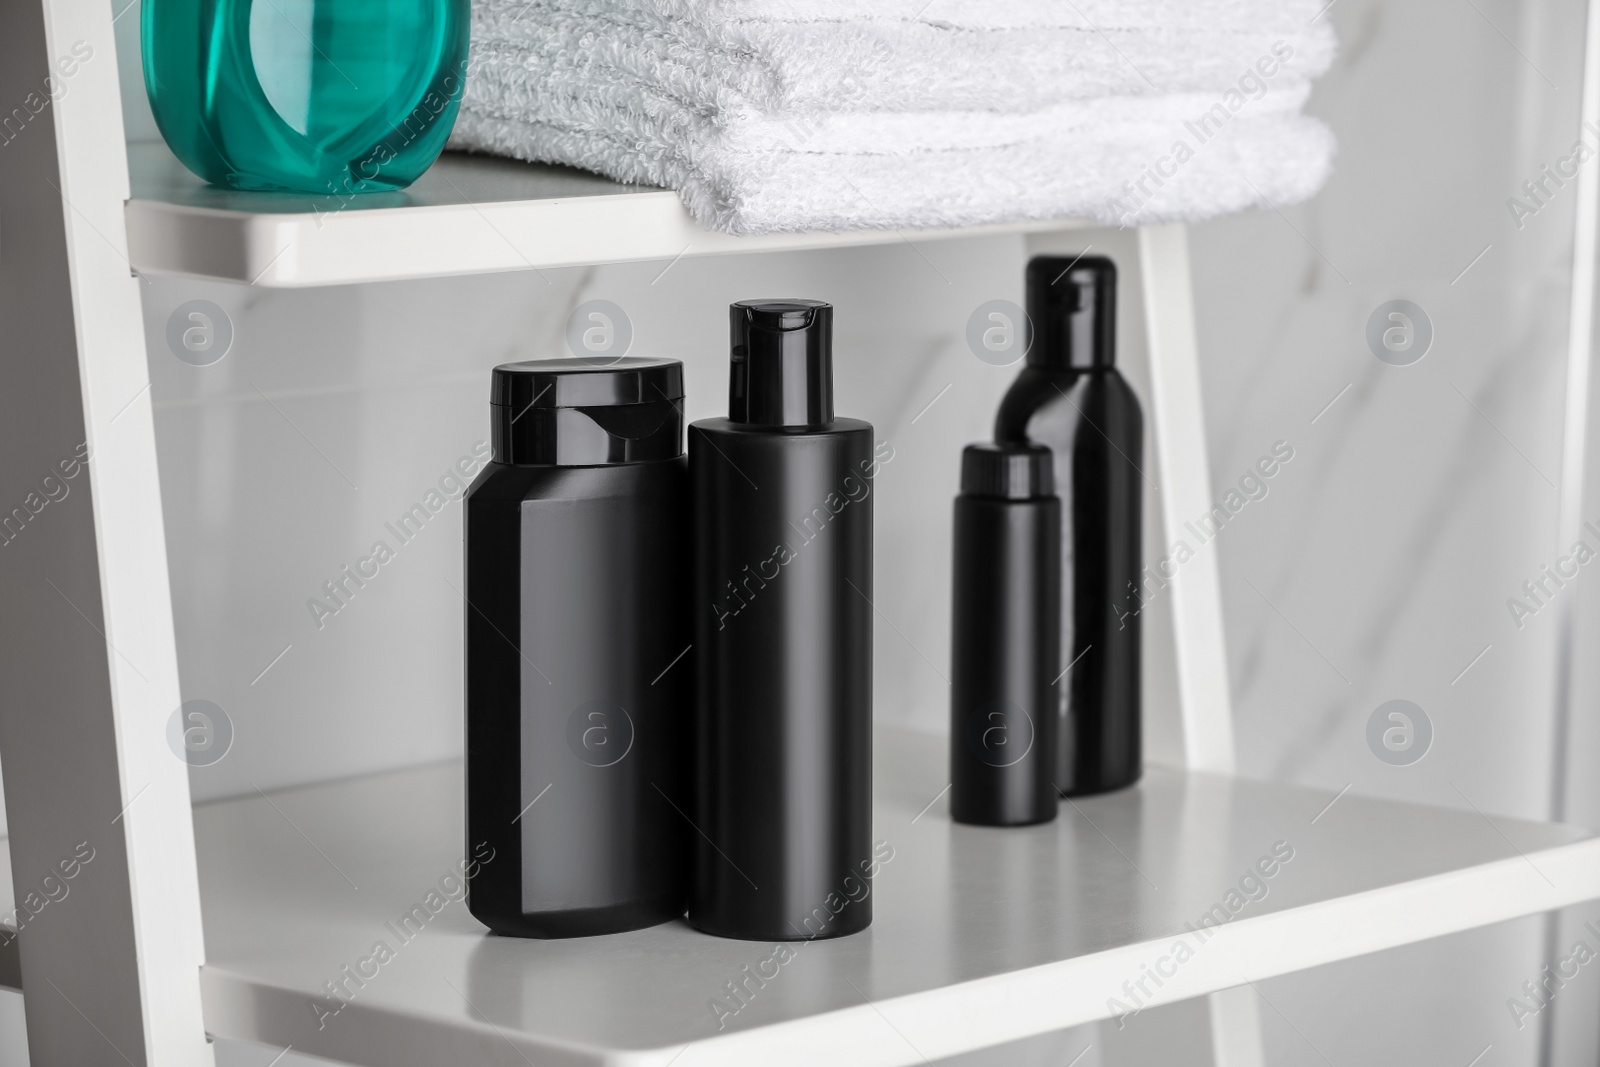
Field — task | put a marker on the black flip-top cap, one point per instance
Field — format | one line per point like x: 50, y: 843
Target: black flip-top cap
x: 1072, y: 303
x: 782, y: 363
x: 579, y: 383
x: 1007, y: 472
x: 583, y: 412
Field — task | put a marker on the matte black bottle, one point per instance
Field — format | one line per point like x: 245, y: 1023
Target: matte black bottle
x: 783, y: 637
x: 1071, y: 399
x: 577, y: 596
x: 1005, y: 637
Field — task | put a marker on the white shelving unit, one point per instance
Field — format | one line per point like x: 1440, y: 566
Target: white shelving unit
x: 466, y: 215
x: 979, y: 937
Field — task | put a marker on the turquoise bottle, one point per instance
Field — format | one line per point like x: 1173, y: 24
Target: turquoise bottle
x: 313, y: 96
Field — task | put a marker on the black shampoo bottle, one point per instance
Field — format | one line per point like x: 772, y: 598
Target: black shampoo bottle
x: 576, y: 610
x: 782, y: 505
x: 1071, y: 399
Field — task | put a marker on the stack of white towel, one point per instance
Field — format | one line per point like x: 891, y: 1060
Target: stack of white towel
x: 782, y: 115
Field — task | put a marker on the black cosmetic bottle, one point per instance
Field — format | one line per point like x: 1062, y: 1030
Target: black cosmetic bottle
x: 783, y: 639
x: 1070, y: 398
x: 1005, y: 628
x: 577, y: 708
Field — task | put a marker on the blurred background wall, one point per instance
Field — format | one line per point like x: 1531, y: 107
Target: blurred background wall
x: 1379, y: 566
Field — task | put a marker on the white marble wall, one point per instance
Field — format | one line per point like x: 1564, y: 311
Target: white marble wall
x: 1378, y: 567
x: 1423, y: 498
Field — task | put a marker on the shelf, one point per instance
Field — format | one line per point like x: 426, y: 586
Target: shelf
x: 979, y: 936
x: 466, y: 215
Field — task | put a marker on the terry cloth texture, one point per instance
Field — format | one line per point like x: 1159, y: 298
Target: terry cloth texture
x: 784, y: 115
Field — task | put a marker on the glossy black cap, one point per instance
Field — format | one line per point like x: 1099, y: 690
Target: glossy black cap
x: 1007, y: 472
x: 599, y: 382
x: 782, y: 363
x: 1072, y: 303
x: 587, y: 412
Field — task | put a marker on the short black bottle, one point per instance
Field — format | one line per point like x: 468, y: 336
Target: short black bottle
x: 782, y: 597
x: 1070, y: 398
x: 1005, y: 628
x: 577, y: 707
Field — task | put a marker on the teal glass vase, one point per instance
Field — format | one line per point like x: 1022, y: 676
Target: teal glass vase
x: 313, y: 96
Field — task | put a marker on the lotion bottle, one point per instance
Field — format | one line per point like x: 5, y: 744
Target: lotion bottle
x: 1071, y: 399
x: 1005, y: 627
x: 782, y: 500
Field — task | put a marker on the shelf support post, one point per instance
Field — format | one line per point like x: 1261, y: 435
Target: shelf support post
x: 101, y: 835
x: 1205, y: 704
x: 1179, y: 434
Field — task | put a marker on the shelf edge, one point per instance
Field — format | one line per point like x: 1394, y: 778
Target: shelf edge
x: 303, y: 250
x: 968, y: 1016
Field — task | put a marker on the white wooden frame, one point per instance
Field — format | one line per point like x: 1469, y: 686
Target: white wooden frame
x: 87, y: 650
x: 90, y: 662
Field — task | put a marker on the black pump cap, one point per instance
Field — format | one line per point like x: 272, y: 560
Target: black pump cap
x: 587, y: 413
x: 782, y: 363
x: 1072, y: 303
x: 1007, y: 472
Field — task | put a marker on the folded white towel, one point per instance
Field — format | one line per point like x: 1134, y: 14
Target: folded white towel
x: 1120, y: 160
x: 784, y: 115
x: 980, y: 14
x: 955, y: 54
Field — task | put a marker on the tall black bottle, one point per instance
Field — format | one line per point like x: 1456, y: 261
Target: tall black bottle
x: 1005, y: 625
x: 783, y: 638
x: 577, y: 607
x: 1070, y: 398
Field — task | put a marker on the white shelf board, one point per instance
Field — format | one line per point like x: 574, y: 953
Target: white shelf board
x: 466, y: 215
x: 980, y: 936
